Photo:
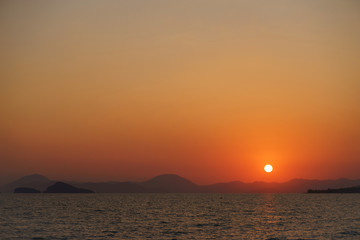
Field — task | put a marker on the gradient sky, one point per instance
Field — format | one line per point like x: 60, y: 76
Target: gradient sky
x: 210, y: 90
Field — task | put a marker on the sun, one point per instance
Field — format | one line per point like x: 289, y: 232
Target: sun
x: 268, y: 168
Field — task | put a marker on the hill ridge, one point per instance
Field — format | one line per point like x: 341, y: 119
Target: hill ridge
x: 174, y: 183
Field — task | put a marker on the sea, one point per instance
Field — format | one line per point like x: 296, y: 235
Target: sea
x: 179, y: 216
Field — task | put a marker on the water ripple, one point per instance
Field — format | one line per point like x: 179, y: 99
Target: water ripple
x: 180, y: 216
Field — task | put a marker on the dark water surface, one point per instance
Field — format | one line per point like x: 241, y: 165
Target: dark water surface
x: 179, y: 216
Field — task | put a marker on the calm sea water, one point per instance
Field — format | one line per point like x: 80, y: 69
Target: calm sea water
x: 179, y: 216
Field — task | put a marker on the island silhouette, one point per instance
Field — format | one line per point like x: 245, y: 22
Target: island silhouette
x: 61, y: 187
x: 26, y: 190
x: 172, y: 183
x: 58, y: 187
x: 355, y: 189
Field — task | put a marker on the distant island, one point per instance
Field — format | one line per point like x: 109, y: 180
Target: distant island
x: 26, y: 190
x: 61, y: 187
x: 338, y: 190
x: 58, y: 187
x: 172, y: 183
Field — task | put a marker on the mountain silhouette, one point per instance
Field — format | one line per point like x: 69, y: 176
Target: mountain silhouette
x: 172, y: 183
x: 61, y: 187
x: 35, y: 181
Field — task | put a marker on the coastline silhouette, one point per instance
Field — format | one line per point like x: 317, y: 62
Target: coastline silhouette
x: 172, y: 183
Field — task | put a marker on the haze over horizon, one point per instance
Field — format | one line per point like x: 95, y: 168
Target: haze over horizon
x: 209, y: 90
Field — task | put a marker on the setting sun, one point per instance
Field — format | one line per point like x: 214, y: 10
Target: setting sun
x: 268, y: 168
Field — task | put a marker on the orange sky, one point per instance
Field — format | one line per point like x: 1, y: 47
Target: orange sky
x: 210, y: 90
